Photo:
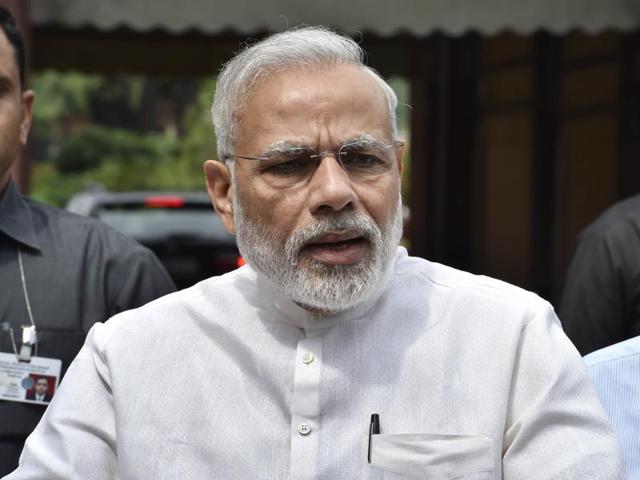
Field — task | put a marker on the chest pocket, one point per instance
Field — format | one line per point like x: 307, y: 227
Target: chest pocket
x: 434, y: 456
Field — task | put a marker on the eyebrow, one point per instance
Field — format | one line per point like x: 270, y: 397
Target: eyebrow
x: 284, y: 147
x: 362, y: 141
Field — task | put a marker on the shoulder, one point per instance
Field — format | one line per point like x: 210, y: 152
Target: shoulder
x: 186, y: 310
x: 465, y: 305
x: 70, y: 223
x: 458, y: 284
x: 78, y: 230
x: 615, y: 220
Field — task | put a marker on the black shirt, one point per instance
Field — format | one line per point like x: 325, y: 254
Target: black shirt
x: 601, y: 300
x: 78, y: 271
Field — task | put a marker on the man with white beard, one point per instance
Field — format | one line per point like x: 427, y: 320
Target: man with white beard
x: 332, y: 354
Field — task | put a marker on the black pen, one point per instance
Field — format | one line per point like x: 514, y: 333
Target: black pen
x: 374, y: 429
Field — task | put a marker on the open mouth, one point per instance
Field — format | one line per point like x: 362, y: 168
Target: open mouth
x: 340, y: 248
x: 342, y: 244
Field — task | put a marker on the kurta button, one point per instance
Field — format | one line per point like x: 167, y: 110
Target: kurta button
x: 307, y: 358
x: 304, y: 429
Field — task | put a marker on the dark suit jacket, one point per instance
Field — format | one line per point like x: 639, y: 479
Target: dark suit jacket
x: 32, y: 396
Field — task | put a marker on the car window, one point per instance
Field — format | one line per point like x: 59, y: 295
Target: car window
x: 161, y: 223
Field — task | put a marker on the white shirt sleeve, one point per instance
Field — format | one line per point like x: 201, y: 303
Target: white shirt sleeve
x: 76, y: 437
x: 556, y: 427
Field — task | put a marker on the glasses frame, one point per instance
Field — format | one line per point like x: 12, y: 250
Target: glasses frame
x: 319, y: 156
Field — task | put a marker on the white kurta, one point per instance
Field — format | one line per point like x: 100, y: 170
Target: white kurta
x: 472, y: 379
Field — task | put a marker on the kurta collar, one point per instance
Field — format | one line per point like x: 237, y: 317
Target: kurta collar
x: 290, y: 313
x: 16, y: 220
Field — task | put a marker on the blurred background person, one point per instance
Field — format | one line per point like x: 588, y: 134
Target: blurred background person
x: 60, y: 272
x: 600, y: 313
x: 615, y: 372
x: 601, y: 300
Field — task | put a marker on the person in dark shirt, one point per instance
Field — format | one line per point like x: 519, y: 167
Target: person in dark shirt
x: 59, y: 273
x: 601, y: 300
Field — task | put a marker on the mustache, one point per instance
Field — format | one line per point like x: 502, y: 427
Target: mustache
x: 358, y: 222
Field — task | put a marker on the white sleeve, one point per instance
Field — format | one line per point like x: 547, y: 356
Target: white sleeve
x: 76, y: 437
x: 556, y: 427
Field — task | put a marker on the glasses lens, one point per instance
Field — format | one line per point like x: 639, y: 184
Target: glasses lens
x: 365, y: 163
x: 296, y: 166
x: 288, y: 169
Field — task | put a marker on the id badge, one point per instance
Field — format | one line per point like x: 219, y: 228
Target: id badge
x: 33, y: 382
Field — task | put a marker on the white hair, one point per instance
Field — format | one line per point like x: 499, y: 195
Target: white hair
x: 300, y: 48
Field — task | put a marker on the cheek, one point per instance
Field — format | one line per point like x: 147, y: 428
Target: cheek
x: 9, y: 131
x: 9, y: 137
x: 277, y: 211
x: 381, y: 201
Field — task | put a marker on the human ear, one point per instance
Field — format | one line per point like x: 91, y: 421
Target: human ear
x: 220, y: 189
x: 28, y: 98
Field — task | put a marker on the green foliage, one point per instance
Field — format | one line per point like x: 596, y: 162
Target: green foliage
x: 198, y: 143
x: 80, y: 153
x: 60, y: 97
x: 50, y: 186
x: 115, y: 159
x: 123, y: 149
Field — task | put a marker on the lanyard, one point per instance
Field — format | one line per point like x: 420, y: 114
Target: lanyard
x: 29, y: 337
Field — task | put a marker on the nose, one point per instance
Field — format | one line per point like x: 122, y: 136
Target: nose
x: 331, y: 187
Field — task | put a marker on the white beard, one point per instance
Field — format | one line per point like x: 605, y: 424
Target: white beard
x: 314, y: 285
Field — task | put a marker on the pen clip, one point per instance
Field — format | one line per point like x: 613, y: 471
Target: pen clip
x: 374, y: 429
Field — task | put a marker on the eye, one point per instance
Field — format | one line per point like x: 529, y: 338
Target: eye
x: 289, y: 164
x: 365, y: 161
x: 359, y: 159
x: 5, y: 85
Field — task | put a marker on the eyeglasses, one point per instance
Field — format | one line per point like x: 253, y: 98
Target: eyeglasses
x: 289, y: 166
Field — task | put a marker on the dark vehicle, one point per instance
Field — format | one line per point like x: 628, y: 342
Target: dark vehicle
x: 181, y: 228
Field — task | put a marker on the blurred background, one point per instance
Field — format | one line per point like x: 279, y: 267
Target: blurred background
x: 523, y: 117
